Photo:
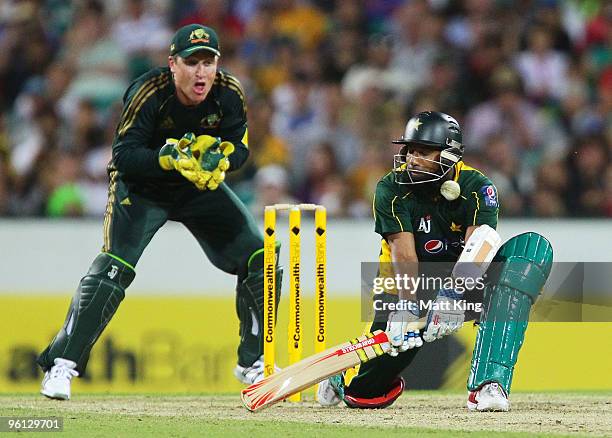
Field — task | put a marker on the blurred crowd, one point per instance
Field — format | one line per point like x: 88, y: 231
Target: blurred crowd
x: 329, y: 85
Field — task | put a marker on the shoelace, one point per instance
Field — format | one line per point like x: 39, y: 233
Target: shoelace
x: 59, y: 371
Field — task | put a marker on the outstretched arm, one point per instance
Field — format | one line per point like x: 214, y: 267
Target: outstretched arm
x: 402, y: 328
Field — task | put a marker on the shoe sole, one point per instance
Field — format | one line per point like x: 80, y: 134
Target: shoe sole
x: 473, y: 407
x: 494, y: 409
x: 55, y: 395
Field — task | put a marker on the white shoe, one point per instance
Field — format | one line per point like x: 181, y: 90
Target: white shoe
x: 252, y: 374
x: 56, y: 383
x: 326, y: 394
x: 491, y: 397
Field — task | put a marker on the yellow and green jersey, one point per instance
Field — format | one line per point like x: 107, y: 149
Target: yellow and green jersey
x: 152, y: 113
x: 438, y: 225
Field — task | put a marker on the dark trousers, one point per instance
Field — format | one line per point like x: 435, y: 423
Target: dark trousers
x: 218, y: 220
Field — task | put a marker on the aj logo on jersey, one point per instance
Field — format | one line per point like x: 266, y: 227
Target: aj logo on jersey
x: 425, y: 224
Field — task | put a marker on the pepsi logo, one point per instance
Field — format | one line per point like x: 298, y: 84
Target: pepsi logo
x: 490, y: 196
x: 434, y: 246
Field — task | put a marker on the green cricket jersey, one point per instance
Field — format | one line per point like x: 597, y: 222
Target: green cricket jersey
x: 438, y: 225
x: 152, y: 113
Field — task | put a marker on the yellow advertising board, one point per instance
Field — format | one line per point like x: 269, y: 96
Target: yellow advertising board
x: 179, y: 344
x: 153, y: 344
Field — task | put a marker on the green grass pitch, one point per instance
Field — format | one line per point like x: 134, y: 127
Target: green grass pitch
x: 428, y: 414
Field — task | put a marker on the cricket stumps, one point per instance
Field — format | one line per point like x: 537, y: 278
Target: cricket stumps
x: 294, y: 329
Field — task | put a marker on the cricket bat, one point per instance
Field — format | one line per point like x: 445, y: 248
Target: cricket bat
x: 314, y: 369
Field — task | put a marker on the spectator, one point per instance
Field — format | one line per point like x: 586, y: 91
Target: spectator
x: 608, y: 191
x: 65, y: 199
x: 588, y: 163
x: 99, y: 62
x: 271, y: 187
x: 329, y: 85
x: 299, y: 21
x: 547, y: 203
x: 25, y: 50
x: 362, y: 178
x: 502, y: 165
x: 418, y: 34
x: 132, y: 32
x: 5, y: 170
x: 339, y: 129
x: 340, y: 51
x: 479, y: 65
x: 377, y: 72
x: 322, y: 184
x: 549, y: 199
x: 30, y: 159
x: 507, y: 114
x: 218, y: 15
x: 298, y: 119
x: 266, y: 148
x: 543, y: 70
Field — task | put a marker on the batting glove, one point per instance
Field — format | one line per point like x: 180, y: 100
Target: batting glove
x: 403, y: 332
x: 446, y: 315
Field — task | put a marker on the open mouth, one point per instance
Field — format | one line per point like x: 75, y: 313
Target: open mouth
x: 199, y: 87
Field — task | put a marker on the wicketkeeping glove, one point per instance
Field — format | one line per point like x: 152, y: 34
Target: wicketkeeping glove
x: 212, y: 154
x: 447, y: 317
x: 177, y: 155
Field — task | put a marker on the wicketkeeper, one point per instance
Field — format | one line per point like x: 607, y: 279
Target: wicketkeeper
x: 182, y: 128
x: 435, y: 208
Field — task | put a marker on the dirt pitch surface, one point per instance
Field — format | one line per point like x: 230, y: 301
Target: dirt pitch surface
x: 429, y: 412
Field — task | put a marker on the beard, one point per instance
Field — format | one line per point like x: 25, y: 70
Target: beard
x: 419, y: 174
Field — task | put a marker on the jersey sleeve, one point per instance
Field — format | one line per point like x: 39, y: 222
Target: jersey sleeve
x: 484, y: 205
x: 131, y: 153
x: 390, y: 214
x: 233, y: 125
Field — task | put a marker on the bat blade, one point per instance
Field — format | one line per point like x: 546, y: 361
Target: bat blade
x: 313, y: 370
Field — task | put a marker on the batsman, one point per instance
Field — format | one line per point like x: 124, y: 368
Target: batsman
x: 433, y: 207
x: 182, y: 128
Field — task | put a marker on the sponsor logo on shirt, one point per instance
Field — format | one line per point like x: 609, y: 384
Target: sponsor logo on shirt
x: 210, y: 121
x: 455, y: 228
x: 490, y: 195
x: 425, y: 224
x: 434, y: 246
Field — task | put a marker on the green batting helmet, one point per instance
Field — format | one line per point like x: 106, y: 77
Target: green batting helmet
x: 433, y: 130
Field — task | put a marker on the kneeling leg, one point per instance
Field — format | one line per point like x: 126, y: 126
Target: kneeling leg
x: 523, y: 265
